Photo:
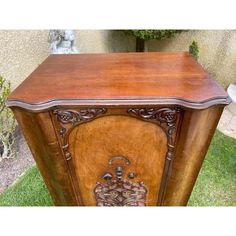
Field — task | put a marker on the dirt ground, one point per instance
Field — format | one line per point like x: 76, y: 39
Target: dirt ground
x: 12, y: 168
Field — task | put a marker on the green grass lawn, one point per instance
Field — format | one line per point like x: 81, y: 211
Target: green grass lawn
x: 215, y: 186
x: 28, y: 190
x: 216, y: 183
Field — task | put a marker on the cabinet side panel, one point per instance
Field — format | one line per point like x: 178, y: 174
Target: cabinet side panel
x: 40, y: 136
x: 196, y: 132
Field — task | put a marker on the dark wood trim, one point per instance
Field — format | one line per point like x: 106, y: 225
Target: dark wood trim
x: 36, y: 107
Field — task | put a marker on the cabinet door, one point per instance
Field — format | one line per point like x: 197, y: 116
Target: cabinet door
x: 117, y: 159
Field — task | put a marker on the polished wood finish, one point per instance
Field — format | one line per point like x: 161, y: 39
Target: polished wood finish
x: 94, y: 143
x: 158, y: 110
x: 41, y: 138
x: 198, y: 127
x: 119, y: 79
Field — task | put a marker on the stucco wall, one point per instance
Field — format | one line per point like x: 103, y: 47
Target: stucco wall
x: 20, y: 53
x: 23, y: 50
x: 99, y: 41
x: 217, y: 51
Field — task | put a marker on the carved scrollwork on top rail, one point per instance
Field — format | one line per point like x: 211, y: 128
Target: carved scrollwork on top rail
x: 68, y: 119
x: 163, y: 115
x: 167, y: 116
x: 75, y: 116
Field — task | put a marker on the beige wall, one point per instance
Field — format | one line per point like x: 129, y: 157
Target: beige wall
x: 23, y: 50
x: 20, y: 53
x: 217, y: 51
x: 99, y: 41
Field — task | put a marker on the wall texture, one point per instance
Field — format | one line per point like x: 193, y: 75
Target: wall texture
x: 217, y: 51
x: 23, y: 50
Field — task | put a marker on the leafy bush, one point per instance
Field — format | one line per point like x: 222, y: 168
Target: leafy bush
x: 7, y: 122
x: 154, y: 34
x: 142, y: 35
x: 194, y: 50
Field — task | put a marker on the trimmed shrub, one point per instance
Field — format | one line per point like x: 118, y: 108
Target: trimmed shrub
x: 143, y: 35
x: 194, y: 49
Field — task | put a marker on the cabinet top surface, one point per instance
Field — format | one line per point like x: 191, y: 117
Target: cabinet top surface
x: 119, y: 79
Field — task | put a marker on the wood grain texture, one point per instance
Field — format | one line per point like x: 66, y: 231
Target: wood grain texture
x: 119, y: 79
x: 197, y: 130
x: 41, y: 138
x: 93, y: 144
x: 168, y: 119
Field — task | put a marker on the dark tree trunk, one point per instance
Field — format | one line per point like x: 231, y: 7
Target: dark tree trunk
x: 140, y: 43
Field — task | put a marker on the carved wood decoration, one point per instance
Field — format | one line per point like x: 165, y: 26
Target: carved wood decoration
x: 68, y: 119
x: 119, y: 191
x: 167, y: 118
x: 75, y: 116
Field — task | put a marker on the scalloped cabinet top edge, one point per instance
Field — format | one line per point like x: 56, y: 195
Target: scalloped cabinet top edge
x: 119, y: 79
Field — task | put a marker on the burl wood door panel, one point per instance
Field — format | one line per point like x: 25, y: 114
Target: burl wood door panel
x: 93, y: 144
x: 118, y: 156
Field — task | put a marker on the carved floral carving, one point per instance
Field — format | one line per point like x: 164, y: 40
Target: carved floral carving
x: 120, y: 193
x: 161, y: 115
x: 75, y: 116
x: 68, y: 119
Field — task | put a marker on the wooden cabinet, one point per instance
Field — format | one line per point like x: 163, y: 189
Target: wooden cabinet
x: 122, y: 129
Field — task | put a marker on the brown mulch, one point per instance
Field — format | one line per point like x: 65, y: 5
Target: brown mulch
x: 12, y: 168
